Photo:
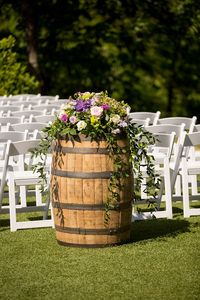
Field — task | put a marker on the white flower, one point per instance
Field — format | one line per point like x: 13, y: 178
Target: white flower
x: 128, y: 109
x: 123, y: 124
x: 69, y: 105
x: 96, y: 111
x: 115, y: 119
x: 116, y: 131
x: 81, y: 125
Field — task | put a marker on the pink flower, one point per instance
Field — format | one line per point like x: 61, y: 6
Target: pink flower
x: 64, y: 117
x: 73, y: 119
x: 96, y: 111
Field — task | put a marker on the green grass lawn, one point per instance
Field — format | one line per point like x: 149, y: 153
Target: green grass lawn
x: 161, y: 262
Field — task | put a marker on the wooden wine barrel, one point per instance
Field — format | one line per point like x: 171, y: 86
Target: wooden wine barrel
x: 79, y: 187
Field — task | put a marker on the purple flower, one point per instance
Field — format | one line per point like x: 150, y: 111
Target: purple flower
x: 105, y: 106
x: 82, y: 105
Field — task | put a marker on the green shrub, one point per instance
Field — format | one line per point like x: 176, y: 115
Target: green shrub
x: 14, y: 77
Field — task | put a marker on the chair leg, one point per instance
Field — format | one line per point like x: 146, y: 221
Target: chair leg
x: 178, y: 186
x: 193, y: 180
x: 23, y: 196
x: 38, y: 195
x: 13, y: 217
x: 168, y: 191
x: 160, y: 193
x: 185, y: 186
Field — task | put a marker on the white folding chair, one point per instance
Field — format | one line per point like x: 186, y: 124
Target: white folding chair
x: 153, y: 116
x: 189, y: 127
x: 16, y: 163
x: 3, y: 174
x: 179, y: 131
x: 190, y: 166
x: 24, y: 178
x: 197, y: 148
x: 163, y: 146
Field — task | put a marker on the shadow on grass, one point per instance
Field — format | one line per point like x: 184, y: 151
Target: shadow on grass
x: 159, y: 228
x: 177, y: 210
x: 4, y: 224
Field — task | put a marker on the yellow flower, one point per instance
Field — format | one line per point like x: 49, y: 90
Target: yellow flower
x: 93, y: 120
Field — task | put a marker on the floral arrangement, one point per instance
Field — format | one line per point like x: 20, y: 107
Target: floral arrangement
x: 93, y: 114
x: 98, y: 116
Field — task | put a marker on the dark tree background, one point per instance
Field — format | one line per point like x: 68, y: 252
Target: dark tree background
x: 144, y: 52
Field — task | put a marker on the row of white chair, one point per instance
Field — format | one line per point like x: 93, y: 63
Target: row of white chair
x: 170, y: 158
x: 174, y: 165
x: 21, y: 118
x: 16, y: 172
x: 154, y: 118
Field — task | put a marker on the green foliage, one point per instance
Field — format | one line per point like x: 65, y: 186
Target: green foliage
x: 14, y: 77
x: 145, y: 52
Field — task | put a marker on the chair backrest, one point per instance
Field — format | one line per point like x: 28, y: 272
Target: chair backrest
x: 197, y: 127
x: 164, y: 143
x: 4, y: 168
x: 59, y: 101
x: 4, y: 101
x: 15, y: 149
x: 7, y: 110
x: 13, y: 136
x: 27, y: 126
x: 26, y: 105
x: 23, y: 147
x: 192, y: 139
x: 44, y: 119
x: 189, y: 122
x: 33, y: 129
x: 48, y: 107
x: 11, y: 120
x: 48, y: 97
x: 153, y: 116
x: 29, y: 114
x: 166, y: 128
x: 169, y: 128
x: 140, y: 122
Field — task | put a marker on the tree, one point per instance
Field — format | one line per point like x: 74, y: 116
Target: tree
x: 143, y: 52
x: 14, y: 77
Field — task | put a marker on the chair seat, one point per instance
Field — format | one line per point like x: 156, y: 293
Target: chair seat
x: 193, y: 167
x: 26, y: 178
